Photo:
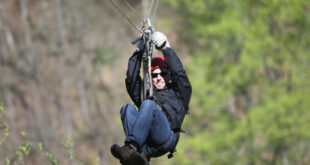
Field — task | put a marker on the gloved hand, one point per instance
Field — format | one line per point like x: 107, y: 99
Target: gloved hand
x: 160, y: 40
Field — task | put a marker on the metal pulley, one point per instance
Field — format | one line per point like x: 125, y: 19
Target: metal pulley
x: 146, y: 37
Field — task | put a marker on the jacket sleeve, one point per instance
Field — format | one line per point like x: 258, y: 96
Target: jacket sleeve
x: 178, y: 76
x: 133, y: 80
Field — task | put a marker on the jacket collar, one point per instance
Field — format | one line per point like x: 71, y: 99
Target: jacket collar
x: 157, y: 90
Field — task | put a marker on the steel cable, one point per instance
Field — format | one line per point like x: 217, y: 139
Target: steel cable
x: 153, y: 8
x: 128, y: 12
x: 150, y: 10
x: 132, y: 9
x: 125, y: 15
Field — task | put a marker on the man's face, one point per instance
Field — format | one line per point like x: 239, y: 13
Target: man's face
x: 157, y: 79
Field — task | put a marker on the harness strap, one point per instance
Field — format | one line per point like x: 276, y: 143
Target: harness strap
x: 161, y: 145
x: 177, y: 136
x: 171, y: 153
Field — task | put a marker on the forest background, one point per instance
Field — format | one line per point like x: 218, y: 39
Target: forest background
x: 63, y: 64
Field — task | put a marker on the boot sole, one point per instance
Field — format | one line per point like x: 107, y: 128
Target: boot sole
x: 137, y: 159
x: 116, y: 152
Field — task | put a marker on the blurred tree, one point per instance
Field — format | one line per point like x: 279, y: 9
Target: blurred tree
x: 249, y: 71
x: 250, y: 82
x: 49, y: 81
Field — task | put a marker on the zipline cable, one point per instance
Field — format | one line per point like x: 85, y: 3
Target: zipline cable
x: 150, y: 10
x: 154, y: 9
x: 128, y: 19
x: 132, y: 9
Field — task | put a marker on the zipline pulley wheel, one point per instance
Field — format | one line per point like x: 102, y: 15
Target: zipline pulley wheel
x: 146, y: 37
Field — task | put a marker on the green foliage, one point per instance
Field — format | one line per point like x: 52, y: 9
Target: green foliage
x: 25, y: 147
x: 250, y: 81
x: 52, y: 158
x: 22, y: 133
x: 6, y: 133
x: 7, y: 161
x: 1, y: 109
x: 4, y: 128
x: 69, y: 144
x: 40, y: 146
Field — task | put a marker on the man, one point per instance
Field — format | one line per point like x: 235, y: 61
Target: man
x: 154, y: 129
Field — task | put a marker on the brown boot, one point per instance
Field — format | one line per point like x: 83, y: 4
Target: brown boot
x: 145, y: 156
x: 123, y: 153
x: 137, y: 158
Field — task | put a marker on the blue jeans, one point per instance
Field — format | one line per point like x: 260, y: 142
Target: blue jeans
x: 149, y: 127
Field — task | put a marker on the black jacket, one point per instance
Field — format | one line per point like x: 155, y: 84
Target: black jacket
x: 174, y: 98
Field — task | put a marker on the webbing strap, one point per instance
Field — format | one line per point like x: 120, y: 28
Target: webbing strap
x: 165, y: 142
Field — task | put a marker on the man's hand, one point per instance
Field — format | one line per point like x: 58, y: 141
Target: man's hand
x: 160, y: 40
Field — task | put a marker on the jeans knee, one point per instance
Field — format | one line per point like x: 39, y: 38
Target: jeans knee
x: 127, y: 108
x: 148, y: 102
x: 148, y: 105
